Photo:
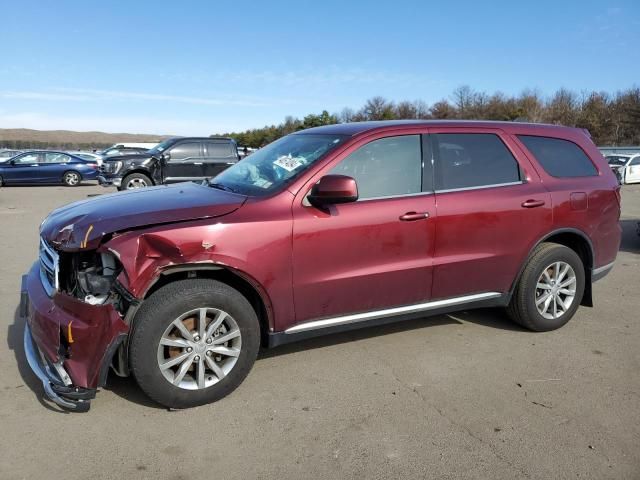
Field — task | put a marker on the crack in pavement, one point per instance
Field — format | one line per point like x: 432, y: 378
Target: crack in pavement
x: 459, y: 426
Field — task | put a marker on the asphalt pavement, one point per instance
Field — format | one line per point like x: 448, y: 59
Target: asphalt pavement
x: 467, y: 395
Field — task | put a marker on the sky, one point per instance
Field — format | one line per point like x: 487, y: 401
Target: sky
x: 204, y: 67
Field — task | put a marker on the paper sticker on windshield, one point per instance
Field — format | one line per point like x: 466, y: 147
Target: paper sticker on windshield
x: 288, y: 162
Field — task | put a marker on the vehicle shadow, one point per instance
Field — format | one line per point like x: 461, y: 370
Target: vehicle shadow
x: 630, y: 239
x: 128, y: 389
x: 488, y: 317
x: 85, y: 183
x: 15, y: 342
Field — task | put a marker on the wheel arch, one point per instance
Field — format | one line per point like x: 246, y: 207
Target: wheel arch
x: 579, y: 242
x: 244, y: 283
x: 141, y: 171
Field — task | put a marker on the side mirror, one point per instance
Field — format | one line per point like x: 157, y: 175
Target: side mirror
x: 12, y: 162
x: 333, y: 189
x: 166, y: 156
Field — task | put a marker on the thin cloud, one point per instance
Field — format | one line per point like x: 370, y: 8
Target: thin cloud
x: 88, y: 95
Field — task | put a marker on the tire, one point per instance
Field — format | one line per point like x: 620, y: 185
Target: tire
x: 135, y: 180
x: 182, y: 302
x: 548, y: 308
x: 71, y: 178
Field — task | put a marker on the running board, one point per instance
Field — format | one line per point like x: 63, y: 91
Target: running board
x: 379, y: 317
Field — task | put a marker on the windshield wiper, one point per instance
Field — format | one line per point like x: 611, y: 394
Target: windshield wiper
x: 220, y: 186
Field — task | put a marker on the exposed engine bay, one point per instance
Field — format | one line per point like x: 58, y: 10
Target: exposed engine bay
x: 90, y: 277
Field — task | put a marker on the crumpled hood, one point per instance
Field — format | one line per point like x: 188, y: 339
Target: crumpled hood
x: 81, y: 225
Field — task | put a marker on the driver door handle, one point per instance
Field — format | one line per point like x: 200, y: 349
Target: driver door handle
x: 532, y: 203
x: 413, y: 216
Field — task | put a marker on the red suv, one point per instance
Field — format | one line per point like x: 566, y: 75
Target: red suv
x: 332, y: 228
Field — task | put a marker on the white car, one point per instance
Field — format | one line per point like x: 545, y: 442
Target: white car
x: 625, y: 166
x: 92, y: 157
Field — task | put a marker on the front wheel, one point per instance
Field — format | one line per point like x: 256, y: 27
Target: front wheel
x: 550, y: 289
x: 71, y: 179
x: 135, y: 180
x: 193, y: 342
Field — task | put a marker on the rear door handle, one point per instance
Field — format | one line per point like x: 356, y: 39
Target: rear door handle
x: 532, y: 203
x: 413, y: 216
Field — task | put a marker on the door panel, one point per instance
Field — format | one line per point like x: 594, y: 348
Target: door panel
x: 483, y: 232
x: 633, y: 171
x: 483, y: 237
x: 374, y: 253
x: 26, y: 169
x: 360, y: 256
x: 186, y: 162
x: 54, y: 166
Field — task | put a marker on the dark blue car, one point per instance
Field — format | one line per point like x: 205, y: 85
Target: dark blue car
x: 47, y: 167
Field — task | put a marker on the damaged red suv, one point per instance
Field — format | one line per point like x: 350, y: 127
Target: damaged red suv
x: 332, y: 228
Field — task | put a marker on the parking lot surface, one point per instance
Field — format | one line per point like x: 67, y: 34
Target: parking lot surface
x: 467, y: 395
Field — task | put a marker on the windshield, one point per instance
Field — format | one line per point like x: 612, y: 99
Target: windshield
x: 274, y: 166
x: 161, y: 147
x: 616, y: 160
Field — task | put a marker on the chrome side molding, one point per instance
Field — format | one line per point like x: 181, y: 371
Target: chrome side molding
x: 390, y: 312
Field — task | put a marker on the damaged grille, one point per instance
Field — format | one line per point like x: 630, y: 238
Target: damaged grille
x: 49, y: 262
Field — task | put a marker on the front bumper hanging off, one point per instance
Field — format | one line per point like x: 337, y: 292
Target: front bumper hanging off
x: 55, y: 380
x: 69, y: 344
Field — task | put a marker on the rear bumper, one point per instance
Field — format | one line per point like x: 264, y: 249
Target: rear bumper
x: 69, y: 343
x: 600, y: 272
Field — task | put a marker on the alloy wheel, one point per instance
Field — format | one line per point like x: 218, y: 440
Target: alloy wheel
x: 199, y: 348
x: 555, y: 290
x: 136, y: 183
x: 72, y: 178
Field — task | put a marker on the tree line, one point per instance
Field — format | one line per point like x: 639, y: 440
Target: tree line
x: 613, y: 119
x: 52, y: 145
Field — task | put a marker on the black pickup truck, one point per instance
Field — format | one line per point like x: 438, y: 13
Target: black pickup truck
x: 174, y: 160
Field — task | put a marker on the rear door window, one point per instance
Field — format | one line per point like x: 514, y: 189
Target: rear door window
x: 560, y: 158
x: 472, y: 160
x: 218, y: 149
x: 185, y: 152
x: 56, y: 158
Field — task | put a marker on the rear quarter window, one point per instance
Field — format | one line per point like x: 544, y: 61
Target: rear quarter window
x: 560, y: 158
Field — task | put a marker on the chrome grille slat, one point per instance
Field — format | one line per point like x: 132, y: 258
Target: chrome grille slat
x: 48, y: 267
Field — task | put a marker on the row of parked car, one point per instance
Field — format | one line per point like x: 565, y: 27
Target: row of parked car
x: 136, y: 165
x: 124, y: 166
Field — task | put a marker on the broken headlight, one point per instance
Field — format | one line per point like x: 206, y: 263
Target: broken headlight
x: 89, y: 276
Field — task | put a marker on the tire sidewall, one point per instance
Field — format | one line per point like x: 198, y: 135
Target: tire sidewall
x: 151, y: 323
x: 131, y: 176
x: 562, y: 254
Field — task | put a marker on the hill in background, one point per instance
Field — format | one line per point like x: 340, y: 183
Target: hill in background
x: 22, y: 138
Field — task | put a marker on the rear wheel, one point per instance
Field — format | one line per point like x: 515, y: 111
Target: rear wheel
x: 550, y: 288
x: 193, y: 342
x: 71, y: 178
x: 135, y: 180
